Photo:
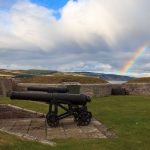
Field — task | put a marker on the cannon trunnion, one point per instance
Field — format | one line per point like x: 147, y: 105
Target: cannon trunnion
x: 72, y: 104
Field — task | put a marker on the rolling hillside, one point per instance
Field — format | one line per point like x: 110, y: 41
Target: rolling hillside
x: 107, y: 77
x: 35, y: 72
x: 140, y: 80
x: 113, y: 77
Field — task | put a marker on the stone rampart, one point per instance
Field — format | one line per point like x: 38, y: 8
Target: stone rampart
x: 6, y: 86
x: 137, y: 88
x: 12, y: 112
x: 93, y: 90
x: 96, y: 90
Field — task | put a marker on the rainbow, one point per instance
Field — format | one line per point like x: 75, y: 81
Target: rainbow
x: 124, y: 70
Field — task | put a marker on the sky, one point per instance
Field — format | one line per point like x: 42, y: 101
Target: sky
x: 76, y: 35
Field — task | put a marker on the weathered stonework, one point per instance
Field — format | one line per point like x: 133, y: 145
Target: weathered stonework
x: 137, y: 88
x: 13, y: 112
x: 33, y: 126
x: 93, y: 90
x: 6, y: 86
x: 96, y: 90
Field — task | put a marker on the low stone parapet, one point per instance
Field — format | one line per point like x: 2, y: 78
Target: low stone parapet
x: 96, y: 90
x: 137, y: 88
x: 6, y: 86
x: 13, y: 112
x: 93, y: 90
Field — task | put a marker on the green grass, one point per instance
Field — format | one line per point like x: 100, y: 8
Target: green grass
x: 127, y: 116
x: 40, y: 107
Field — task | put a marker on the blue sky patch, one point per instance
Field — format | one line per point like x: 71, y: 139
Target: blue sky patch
x: 53, y: 4
x: 6, y: 4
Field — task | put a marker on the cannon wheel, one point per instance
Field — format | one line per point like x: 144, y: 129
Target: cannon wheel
x: 76, y: 116
x: 84, y: 118
x: 52, y: 119
x: 76, y: 111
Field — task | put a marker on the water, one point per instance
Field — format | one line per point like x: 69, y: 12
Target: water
x: 117, y: 82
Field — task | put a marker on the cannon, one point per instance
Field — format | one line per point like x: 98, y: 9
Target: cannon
x: 48, y: 89
x: 73, y: 105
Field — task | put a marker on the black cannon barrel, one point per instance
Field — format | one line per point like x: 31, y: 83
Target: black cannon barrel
x: 75, y: 99
x: 49, y: 89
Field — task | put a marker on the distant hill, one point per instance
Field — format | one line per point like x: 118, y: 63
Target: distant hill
x: 36, y: 72
x: 140, y: 80
x: 39, y: 72
x: 25, y: 73
x: 91, y: 74
x: 6, y: 73
x: 107, y: 77
x: 113, y: 77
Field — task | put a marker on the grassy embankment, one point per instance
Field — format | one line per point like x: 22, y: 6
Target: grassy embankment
x: 127, y: 116
x: 62, y: 78
x: 140, y: 80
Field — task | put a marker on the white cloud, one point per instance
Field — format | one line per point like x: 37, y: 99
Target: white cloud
x: 96, y: 35
x: 34, y: 24
x: 87, y: 18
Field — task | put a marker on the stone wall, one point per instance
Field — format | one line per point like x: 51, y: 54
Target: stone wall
x: 93, y: 90
x: 10, y: 111
x: 96, y: 90
x: 137, y: 89
x: 6, y: 86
